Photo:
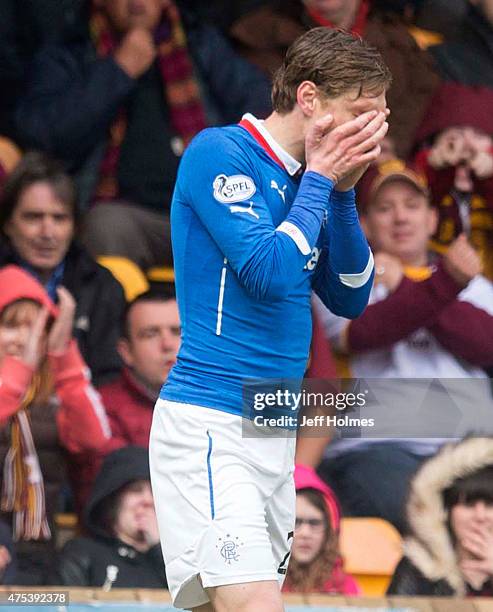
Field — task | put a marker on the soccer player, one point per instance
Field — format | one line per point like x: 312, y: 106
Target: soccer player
x: 252, y: 236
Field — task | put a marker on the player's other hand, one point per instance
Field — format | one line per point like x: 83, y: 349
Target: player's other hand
x: 345, y: 151
x: 462, y: 261
x: 136, y: 52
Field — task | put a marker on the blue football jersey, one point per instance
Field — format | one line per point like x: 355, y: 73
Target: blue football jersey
x: 252, y: 237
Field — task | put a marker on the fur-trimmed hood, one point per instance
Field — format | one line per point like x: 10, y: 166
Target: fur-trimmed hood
x: 430, y: 547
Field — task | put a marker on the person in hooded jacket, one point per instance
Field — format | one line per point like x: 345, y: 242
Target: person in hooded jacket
x: 122, y: 548
x: 316, y: 564
x: 455, y: 142
x: 47, y: 407
x: 449, y: 551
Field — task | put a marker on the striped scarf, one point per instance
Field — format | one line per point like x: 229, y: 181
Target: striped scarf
x: 23, y: 488
x: 181, y: 90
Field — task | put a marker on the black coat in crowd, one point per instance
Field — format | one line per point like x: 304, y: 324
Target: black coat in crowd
x: 100, y: 559
x: 408, y: 580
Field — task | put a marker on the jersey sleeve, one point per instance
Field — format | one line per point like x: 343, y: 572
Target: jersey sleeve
x: 344, y: 275
x: 221, y: 184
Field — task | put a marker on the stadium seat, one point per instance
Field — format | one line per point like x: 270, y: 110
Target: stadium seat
x: 425, y: 38
x: 371, y: 549
x: 129, y: 275
x: 67, y: 527
x: 161, y: 274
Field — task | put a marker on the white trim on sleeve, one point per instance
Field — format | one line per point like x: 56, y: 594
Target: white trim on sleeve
x: 296, y: 235
x: 358, y: 280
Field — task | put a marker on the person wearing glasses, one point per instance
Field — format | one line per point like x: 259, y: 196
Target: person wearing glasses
x: 316, y: 564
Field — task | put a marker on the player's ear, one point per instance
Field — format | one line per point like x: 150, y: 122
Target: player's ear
x: 306, y: 97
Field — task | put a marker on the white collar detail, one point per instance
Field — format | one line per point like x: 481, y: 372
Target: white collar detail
x: 290, y: 163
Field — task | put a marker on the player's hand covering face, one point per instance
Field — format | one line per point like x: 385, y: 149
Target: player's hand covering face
x: 345, y: 136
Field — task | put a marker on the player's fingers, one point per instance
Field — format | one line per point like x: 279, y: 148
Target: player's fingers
x: 321, y: 127
x: 366, y: 158
x: 371, y: 142
x: 364, y: 134
x: 354, y: 126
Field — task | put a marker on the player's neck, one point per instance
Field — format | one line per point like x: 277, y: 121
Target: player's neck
x: 288, y: 131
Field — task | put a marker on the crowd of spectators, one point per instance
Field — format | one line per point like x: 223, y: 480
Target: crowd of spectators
x: 99, y: 100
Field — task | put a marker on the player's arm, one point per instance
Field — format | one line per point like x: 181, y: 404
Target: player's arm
x: 221, y: 185
x: 344, y: 276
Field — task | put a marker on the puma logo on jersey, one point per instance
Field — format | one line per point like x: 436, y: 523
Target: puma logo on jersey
x: 244, y: 209
x: 281, y: 192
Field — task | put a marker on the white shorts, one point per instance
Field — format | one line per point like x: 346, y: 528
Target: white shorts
x: 225, y: 504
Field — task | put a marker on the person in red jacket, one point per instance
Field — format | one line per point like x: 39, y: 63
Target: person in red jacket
x: 148, y: 346
x: 316, y: 564
x: 47, y: 407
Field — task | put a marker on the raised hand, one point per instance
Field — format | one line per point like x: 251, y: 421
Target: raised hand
x: 450, y: 149
x: 482, y: 164
x: 35, y: 347
x: 462, y: 261
x: 147, y: 523
x: 479, y: 544
x: 61, y: 331
x: 346, y: 150
x: 136, y: 52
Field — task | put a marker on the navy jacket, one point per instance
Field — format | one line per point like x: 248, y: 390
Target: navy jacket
x: 71, y: 95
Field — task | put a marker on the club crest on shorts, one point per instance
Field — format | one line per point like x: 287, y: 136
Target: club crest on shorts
x: 236, y: 188
x: 229, y: 548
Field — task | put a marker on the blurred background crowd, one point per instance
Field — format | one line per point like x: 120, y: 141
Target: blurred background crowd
x: 99, y: 100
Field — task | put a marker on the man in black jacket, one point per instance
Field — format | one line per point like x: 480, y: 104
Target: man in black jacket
x: 120, y: 108
x: 37, y: 227
x: 122, y: 548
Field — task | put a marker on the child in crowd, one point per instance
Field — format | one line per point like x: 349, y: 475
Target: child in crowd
x: 316, y: 564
